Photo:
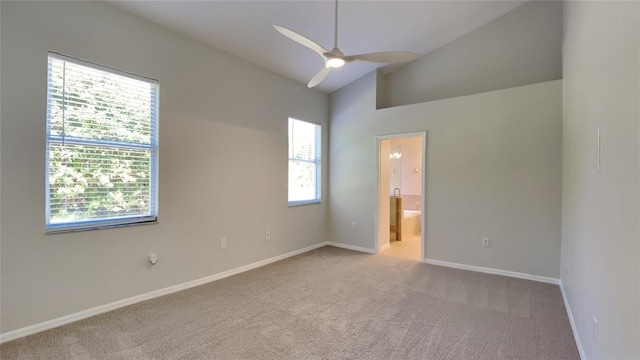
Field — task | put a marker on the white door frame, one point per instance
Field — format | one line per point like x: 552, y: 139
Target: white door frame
x: 423, y: 217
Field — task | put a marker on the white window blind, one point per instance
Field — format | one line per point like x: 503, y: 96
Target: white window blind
x: 102, y: 146
x: 304, y: 162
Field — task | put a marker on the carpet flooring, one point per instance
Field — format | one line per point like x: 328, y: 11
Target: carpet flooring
x: 329, y: 303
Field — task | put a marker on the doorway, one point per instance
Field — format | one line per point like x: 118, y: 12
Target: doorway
x: 401, y: 188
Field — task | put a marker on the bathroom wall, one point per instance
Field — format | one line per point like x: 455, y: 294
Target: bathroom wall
x: 406, y: 172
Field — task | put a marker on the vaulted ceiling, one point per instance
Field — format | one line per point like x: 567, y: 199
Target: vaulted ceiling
x: 245, y: 29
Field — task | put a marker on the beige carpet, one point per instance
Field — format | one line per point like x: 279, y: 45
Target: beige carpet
x: 327, y: 304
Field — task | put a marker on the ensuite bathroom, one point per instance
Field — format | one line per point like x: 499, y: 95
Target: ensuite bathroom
x: 405, y: 198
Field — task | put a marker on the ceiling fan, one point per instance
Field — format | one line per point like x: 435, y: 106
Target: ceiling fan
x: 335, y: 58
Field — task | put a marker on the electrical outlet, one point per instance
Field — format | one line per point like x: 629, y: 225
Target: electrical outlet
x: 595, y: 330
x: 354, y: 226
x: 485, y: 241
x: 267, y: 235
x: 223, y: 243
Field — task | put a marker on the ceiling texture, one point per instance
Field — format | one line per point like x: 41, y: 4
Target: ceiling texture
x: 245, y: 29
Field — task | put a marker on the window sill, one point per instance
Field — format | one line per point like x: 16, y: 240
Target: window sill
x: 60, y: 229
x: 303, y: 203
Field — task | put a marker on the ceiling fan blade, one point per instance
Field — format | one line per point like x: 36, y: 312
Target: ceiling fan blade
x: 300, y: 39
x: 388, y: 57
x: 319, y: 77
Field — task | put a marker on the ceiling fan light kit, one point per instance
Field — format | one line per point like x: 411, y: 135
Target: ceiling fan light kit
x: 335, y: 58
x: 335, y: 63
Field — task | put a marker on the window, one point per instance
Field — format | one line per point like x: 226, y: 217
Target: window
x: 304, y: 162
x: 102, y: 147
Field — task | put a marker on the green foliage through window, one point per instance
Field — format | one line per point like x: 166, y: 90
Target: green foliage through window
x: 102, y: 146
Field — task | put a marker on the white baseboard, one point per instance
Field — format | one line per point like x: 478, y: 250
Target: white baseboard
x: 385, y: 246
x: 574, y: 329
x: 351, y: 247
x: 487, y: 270
x: 50, y: 324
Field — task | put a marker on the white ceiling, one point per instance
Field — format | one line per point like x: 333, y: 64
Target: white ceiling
x: 245, y: 29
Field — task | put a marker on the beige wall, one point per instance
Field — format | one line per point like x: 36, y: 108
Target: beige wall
x: 493, y: 163
x: 493, y: 169
x: 519, y: 48
x: 223, y: 163
x: 600, y: 210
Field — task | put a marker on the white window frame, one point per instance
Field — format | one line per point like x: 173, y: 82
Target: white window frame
x: 317, y: 162
x: 153, y: 147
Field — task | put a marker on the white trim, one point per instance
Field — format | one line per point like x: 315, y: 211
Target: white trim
x: 385, y: 246
x: 316, y: 161
x: 487, y: 270
x: 351, y: 247
x: 574, y: 328
x: 50, y: 324
x: 423, y: 219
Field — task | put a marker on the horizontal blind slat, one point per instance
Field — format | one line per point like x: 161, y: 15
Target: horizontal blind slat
x: 102, y: 145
